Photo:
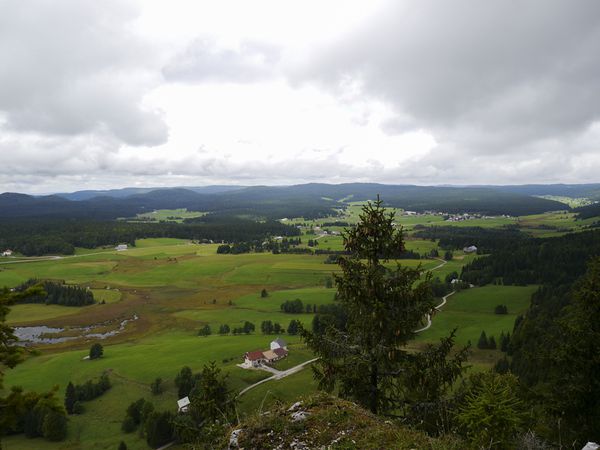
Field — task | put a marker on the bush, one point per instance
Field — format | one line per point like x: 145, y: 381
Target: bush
x: 501, y: 309
x: 292, y: 306
x: 54, y: 427
x: 157, y: 387
x: 205, y: 331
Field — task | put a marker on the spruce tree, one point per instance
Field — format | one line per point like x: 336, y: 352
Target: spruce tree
x: 292, y: 328
x: 383, y: 306
x: 96, y: 351
x: 70, y: 398
x: 483, y: 341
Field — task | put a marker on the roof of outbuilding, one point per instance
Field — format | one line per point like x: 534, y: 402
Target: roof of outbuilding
x: 280, y: 352
x: 280, y: 342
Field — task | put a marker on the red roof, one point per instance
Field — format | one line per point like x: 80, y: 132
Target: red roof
x: 255, y: 355
x: 280, y: 352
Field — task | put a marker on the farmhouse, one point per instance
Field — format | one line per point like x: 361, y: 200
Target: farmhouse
x: 470, y: 249
x: 254, y: 359
x: 258, y: 357
x: 183, y: 404
x: 7, y: 252
x: 121, y: 247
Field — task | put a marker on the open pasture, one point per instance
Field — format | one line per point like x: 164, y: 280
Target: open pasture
x: 169, y: 215
x: 176, y: 288
x: 472, y: 311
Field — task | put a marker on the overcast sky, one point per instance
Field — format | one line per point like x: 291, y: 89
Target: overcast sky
x: 153, y: 93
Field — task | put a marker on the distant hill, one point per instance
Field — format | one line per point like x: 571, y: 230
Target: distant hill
x: 305, y: 200
x: 586, y: 212
x: 126, y: 192
x: 591, y: 191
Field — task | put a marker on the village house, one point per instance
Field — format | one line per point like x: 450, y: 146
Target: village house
x: 470, y: 249
x: 7, y: 252
x: 254, y: 359
x: 183, y: 404
x: 121, y: 247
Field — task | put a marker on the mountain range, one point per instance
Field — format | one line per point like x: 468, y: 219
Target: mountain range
x: 308, y: 200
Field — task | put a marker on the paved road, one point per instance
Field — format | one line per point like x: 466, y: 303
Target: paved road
x: 437, y: 308
x: 279, y: 376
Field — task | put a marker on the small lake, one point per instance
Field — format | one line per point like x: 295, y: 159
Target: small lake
x: 44, y: 335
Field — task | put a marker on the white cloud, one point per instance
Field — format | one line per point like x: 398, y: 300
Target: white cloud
x: 73, y: 67
x: 156, y: 93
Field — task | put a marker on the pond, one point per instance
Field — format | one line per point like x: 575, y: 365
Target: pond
x: 51, y: 335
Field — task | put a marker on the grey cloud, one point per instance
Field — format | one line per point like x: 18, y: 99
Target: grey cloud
x: 203, y: 60
x: 483, y: 75
x: 71, y: 67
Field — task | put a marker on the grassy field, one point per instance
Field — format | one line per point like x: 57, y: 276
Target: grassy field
x: 472, y: 311
x: 175, y: 287
x: 168, y: 215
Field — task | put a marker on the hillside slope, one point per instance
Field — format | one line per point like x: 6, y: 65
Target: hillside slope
x: 323, y: 421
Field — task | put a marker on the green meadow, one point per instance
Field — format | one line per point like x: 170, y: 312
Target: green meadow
x: 472, y: 311
x: 175, y: 287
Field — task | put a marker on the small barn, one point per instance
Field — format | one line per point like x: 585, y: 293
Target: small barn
x: 121, y: 247
x: 278, y: 343
x: 183, y: 404
x: 7, y: 252
x: 470, y: 249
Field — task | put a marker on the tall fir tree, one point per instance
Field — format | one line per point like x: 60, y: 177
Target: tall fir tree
x: 70, y: 398
x: 384, y: 305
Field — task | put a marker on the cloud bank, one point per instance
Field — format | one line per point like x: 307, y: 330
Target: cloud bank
x: 428, y: 92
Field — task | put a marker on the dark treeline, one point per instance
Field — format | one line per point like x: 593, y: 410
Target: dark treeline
x: 555, y: 349
x: 487, y: 240
x: 555, y: 261
x: 77, y: 393
x: 586, y: 212
x: 57, y: 294
x: 41, y: 237
x: 34, y: 414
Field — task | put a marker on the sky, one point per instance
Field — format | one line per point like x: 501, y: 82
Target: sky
x: 97, y: 95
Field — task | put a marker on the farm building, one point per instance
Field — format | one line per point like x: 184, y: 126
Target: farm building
x: 278, y: 343
x: 258, y: 357
x: 121, y: 247
x: 7, y: 252
x: 183, y: 404
x: 470, y: 249
x: 255, y: 358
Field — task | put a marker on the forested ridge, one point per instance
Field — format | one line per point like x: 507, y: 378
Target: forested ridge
x: 487, y: 240
x: 41, y: 237
x: 556, y: 261
x: 311, y: 200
